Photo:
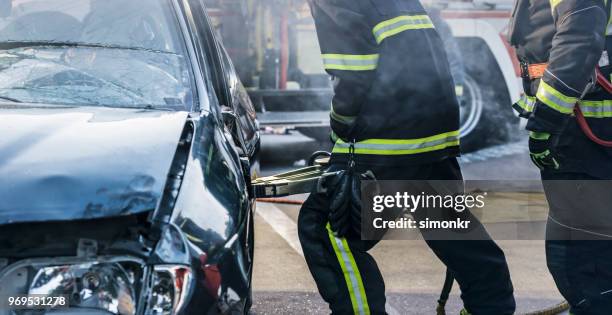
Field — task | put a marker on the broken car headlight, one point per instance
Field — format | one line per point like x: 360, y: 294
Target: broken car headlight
x: 117, y: 285
x: 105, y: 286
x: 170, y: 285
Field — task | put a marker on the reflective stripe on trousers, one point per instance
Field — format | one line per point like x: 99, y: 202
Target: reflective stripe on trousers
x: 554, y: 4
x: 349, y: 267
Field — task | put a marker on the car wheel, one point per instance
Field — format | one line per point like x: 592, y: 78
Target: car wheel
x: 486, y: 115
x: 470, y: 115
x: 486, y: 118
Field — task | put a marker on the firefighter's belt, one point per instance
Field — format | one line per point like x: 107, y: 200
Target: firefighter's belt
x: 533, y: 71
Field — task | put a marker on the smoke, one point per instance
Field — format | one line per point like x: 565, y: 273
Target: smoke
x: 256, y: 44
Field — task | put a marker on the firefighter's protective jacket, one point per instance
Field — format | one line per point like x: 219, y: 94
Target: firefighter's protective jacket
x: 570, y: 36
x: 394, y: 95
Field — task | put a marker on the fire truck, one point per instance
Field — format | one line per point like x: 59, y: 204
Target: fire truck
x: 274, y: 48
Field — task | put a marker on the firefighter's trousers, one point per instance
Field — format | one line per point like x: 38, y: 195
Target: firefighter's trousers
x: 349, y: 280
x: 579, y: 240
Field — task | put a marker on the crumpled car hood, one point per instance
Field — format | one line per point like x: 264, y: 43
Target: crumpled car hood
x: 61, y: 163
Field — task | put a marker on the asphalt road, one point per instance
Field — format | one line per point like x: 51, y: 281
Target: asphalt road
x: 283, y: 285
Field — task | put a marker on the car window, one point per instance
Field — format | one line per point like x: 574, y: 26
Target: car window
x: 228, y: 89
x: 241, y: 103
x: 93, y: 52
x: 209, y: 41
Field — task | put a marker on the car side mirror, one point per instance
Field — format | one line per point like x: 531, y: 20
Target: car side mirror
x: 228, y: 115
x: 230, y: 120
x: 6, y: 7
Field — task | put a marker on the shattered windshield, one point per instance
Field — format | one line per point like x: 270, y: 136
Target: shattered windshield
x: 116, y: 53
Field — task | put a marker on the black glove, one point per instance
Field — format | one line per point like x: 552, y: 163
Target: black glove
x: 542, y: 150
x: 344, y: 192
x: 356, y: 200
x: 339, y: 193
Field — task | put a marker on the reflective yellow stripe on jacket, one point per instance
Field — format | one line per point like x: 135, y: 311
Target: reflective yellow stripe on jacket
x: 399, y: 24
x: 527, y: 102
x: 350, y: 62
x: 400, y: 146
x: 609, y: 27
x: 555, y: 99
x: 596, y: 109
x: 347, y: 120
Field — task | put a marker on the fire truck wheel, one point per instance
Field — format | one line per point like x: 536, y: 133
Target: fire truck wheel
x: 486, y: 117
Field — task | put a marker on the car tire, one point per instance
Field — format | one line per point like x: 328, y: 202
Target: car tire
x: 486, y: 116
x: 486, y: 93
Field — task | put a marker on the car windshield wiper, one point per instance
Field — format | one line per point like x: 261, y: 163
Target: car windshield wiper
x: 14, y: 44
x: 146, y: 107
x: 14, y: 100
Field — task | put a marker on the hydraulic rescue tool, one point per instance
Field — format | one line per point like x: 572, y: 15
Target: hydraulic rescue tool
x: 343, y: 187
x: 301, y: 181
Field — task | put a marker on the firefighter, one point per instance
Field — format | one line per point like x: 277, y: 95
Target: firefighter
x: 395, y: 113
x: 560, y: 43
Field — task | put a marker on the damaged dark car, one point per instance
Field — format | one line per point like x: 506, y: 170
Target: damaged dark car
x: 127, y: 147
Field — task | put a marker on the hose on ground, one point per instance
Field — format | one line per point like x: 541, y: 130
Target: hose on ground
x: 448, y: 282
x: 446, y: 290
x: 555, y: 310
x: 281, y: 201
x: 448, y: 285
